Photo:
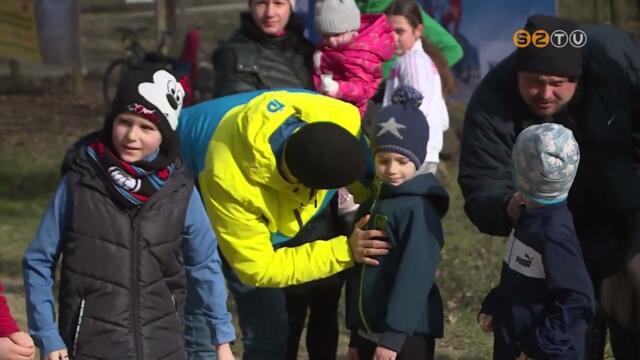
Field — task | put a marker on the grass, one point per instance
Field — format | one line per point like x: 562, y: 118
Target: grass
x: 27, y: 180
x: 28, y: 177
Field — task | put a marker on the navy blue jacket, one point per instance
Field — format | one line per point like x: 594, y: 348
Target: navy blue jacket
x: 604, y: 117
x: 545, y: 300
x: 399, y: 297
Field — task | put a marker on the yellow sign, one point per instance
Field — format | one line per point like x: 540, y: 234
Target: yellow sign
x: 18, y: 30
x: 521, y: 38
x: 540, y: 38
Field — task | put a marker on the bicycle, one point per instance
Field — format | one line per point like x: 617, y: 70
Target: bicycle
x: 186, y: 67
x: 135, y: 56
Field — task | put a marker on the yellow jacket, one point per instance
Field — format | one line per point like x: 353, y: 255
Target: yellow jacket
x: 249, y: 202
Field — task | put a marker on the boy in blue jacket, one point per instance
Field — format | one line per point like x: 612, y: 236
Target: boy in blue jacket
x: 395, y: 309
x: 544, y: 302
x: 133, y: 236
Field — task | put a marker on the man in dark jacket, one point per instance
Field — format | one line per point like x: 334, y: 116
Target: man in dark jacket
x: 594, y: 91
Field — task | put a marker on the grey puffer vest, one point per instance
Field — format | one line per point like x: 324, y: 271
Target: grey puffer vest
x: 123, y: 282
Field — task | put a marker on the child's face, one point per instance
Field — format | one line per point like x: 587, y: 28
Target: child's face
x: 404, y: 33
x: 134, y: 137
x: 393, y: 168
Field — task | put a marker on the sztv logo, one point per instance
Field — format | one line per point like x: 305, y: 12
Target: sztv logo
x: 558, y: 38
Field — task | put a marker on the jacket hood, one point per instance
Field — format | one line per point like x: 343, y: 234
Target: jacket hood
x: 426, y: 185
x: 75, y: 157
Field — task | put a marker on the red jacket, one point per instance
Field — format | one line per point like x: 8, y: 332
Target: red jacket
x: 357, y: 66
x: 8, y: 326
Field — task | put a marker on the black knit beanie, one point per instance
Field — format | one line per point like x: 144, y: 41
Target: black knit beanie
x: 324, y: 155
x: 563, y: 61
x: 157, y: 96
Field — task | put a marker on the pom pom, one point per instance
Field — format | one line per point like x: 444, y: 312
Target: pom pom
x: 406, y: 95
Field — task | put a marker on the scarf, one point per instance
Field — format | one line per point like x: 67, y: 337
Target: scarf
x: 131, y: 184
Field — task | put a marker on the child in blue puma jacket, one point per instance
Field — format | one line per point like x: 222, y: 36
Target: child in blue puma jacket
x: 544, y: 302
x: 395, y: 308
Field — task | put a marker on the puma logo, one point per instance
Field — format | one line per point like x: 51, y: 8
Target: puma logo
x: 526, y: 261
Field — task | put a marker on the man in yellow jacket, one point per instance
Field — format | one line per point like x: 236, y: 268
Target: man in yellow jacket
x: 267, y: 164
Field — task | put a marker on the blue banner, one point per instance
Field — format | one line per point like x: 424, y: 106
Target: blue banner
x: 485, y: 31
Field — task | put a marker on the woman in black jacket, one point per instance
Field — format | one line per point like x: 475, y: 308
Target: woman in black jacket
x: 268, y: 51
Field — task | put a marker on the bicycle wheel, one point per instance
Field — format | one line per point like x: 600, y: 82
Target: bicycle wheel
x: 110, y: 80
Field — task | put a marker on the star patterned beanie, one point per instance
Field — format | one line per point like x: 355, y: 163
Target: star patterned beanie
x: 401, y: 127
x: 545, y: 161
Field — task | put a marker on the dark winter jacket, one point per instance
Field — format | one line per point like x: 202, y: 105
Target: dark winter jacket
x: 252, y: 60
x: 124, y: 276
x: 603, y: 116
x: 123, y: 281
x: 399, y: 297
x: 545, y: 300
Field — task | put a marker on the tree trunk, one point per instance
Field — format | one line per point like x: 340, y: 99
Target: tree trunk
x: 167, y: 13
x: 14, y: 71
x: 618, y: 12
x: 77, y: 68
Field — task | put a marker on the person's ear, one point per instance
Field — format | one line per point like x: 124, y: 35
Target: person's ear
x: 418, y: 30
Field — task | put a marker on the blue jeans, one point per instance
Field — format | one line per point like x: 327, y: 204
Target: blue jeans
x: 262, y: 314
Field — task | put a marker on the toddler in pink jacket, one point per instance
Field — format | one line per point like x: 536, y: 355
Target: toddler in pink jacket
x: 348, y: 61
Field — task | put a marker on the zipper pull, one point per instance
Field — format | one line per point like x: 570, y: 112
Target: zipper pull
x: 296, y: 213
x: 313, y: 194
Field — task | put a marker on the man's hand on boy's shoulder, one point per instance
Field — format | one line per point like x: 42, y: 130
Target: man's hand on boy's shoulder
x: 364, y: 244
x: 514, y: 207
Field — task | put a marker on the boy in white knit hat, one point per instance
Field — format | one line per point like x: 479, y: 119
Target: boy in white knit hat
x: 348, y: 62
x: 544, y: 302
